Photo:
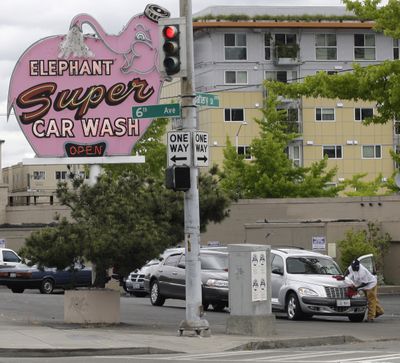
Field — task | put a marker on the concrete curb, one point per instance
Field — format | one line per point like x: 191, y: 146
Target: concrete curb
x: 80, y: 352
x: 297, y: 342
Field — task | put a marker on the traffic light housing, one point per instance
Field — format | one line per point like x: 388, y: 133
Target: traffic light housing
x: 178, y: 178
x: 172, y: 52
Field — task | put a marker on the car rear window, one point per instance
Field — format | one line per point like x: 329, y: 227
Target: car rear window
x: 214, y: 261
x: 312, y: 265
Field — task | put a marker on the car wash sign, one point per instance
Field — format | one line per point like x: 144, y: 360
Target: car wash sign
x: 73, y: 94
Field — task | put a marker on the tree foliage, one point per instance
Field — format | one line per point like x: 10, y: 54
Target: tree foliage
x: 362, y: 242
x: 126, y: 218
x: 361, y: 188
x: 270, y: 173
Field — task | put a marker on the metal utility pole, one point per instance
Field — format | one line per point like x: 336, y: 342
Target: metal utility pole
x: 194, y: 306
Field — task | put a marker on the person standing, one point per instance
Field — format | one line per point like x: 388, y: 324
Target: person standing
x: 364, y: 280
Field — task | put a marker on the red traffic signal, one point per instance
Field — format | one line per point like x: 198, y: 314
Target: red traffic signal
x: 172, y: 50
x: 170, y: 32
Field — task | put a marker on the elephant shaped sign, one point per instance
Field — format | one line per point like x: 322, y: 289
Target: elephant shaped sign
x: 73, y: 94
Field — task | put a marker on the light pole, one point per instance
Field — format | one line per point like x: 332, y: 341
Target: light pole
x: 237, y: 135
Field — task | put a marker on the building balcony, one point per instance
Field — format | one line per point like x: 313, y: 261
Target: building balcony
x: 286, y: 54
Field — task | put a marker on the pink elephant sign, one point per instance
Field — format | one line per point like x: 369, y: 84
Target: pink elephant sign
x: 73, y: 94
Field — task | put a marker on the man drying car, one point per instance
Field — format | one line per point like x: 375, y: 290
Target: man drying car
x: 364, y: 280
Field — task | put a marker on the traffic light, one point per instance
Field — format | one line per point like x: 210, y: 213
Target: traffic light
x: 172, y: 51
x: 177, y: 178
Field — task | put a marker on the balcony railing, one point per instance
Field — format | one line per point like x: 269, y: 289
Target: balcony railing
x: 286, y: 54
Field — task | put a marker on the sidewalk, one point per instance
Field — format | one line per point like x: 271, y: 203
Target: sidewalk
x: 21, y: 339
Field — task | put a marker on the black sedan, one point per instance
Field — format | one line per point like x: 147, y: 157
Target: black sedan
x: 168, y: 279
x: 46, y: 280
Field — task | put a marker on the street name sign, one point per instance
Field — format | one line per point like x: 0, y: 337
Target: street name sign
x: 200, y: 148
x: 206, y: 99
x: 156, y: 111
x: 179, y: 148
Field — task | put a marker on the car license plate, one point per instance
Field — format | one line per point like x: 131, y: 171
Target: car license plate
x: 343, y: 302
x: 13, y: 274
x: 135, y: 285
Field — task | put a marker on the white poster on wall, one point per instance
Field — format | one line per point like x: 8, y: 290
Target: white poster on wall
x: 319, y: 243
x: 259, y: 276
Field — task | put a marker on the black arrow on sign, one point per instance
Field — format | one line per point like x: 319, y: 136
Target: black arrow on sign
x: 175, y: 158
x: 203, y: 158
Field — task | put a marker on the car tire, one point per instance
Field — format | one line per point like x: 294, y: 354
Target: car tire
x: 218, y: 307
x: 155, y: 298
x: 356, y: 318
x: 293, y: 309
x: 17, y: 290
x: 47, y: 286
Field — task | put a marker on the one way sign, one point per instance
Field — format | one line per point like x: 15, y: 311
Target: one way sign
x: 201, y: 152
x: 179, y: 148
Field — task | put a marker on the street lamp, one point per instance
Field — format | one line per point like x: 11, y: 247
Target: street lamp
x: 237, y: 136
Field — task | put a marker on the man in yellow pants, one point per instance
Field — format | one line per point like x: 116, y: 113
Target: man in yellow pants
x: 364, y: 280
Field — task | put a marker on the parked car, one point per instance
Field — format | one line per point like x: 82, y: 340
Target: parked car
x: 306, y: 283
x: 168, y: 279
x: 134, y: 283
x: 24, y: 277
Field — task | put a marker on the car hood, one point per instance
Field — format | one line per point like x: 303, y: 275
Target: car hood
x: 321, y: 280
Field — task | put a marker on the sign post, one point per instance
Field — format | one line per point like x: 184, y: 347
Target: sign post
x: 194, y: 321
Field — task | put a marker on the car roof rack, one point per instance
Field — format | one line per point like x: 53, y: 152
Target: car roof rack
x: 281, y: 248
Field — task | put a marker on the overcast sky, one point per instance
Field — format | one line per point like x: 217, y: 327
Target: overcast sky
x: 23, y: 22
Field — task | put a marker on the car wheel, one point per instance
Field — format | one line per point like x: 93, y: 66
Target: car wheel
x: 124, y: 286
x: 356, y: 318
x: 218, y: 307
x: 17, y: 290
x: 47, y: 286
x: 155, y: 297
x: 206, y: 306
x: 293, y: 308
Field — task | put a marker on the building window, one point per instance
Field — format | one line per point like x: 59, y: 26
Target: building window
x: 39, y: 175
x: 371, y: 151
x: 286, y: 46
x: 234, y: 114
x: 244, y: 150
x: 360, y: 114
x: 397, y: 127
x: 291, y: 120
x: 235, y: 77
x: 235, y: 46
x: 61, y: 175
x: 267, y: 46
x: 397, y: 150
x: 364, y: 46
x: 325, y: 47
x: 332, y: 151
x: 281, y: 76
x: 324, y: 114
x: 294, y: 154
x: 396, y: 49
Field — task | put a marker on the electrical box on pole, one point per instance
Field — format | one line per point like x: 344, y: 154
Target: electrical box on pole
x: 172, y: 52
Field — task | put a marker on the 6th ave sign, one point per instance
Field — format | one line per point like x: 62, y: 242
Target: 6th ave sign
x: 155, y: 111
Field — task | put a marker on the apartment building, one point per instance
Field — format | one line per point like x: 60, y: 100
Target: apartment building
x: 235, y: 50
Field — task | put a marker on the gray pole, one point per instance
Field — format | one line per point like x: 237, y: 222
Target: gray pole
x: 194, y: 306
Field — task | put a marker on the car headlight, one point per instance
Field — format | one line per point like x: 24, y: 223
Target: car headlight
x: 217, y: 283
x: 304, y: 291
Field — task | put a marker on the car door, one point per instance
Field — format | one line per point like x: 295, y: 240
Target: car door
x: 368, y: 262
x: 179, y: 278
x: 277, y: 281
x: 167, y: 272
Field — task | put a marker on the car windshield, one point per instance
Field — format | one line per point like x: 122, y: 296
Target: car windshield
x: 312, y: 265
x: 214, y: 261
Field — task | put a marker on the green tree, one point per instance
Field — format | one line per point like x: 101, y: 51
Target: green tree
x: 362, y: 242
x: 126, y: 218
x: 270, y: 173
x: 360, y: 188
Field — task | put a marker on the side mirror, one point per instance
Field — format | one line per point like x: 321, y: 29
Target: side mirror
x: 181, y: 265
